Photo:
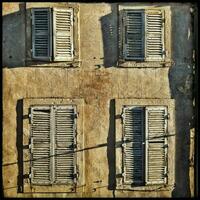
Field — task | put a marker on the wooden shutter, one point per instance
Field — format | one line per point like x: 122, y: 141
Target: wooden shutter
x: 53, y: 144
x: 133, y: 151
x: 41, y: 34
x: 40, y: 145
x: 154, y: 38
x: 133, y: 44
x: 156, y: 145
x: 65, y: 133
x: 63, y: 34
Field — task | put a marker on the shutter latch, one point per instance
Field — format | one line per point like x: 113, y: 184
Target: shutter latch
x: 75, y: 115
x: 167, y: 116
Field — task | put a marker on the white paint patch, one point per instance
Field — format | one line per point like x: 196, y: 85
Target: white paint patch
x: 189, y: 33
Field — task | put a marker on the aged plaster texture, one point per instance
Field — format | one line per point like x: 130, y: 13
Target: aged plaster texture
x: 97, y: 81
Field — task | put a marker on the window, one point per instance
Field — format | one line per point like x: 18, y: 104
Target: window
x: 143, y: 35
x: 53, y: 144
x: 52, y: 34
x: 144, y: 145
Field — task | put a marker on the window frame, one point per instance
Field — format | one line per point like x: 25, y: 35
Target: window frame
x: 151, y: 63
x: 80, y: 165
x: 71, y: 63
x: 169, y: 103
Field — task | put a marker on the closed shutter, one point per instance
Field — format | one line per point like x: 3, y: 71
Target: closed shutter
x: 133, y: 35
x: 133, y: 151
x: 41, y: 34
x: 63, y: 34
x: 40, y: 145
x: 154, y: 47
x: 65, y: 130
x: 156, y: 145
x: 53, y: 144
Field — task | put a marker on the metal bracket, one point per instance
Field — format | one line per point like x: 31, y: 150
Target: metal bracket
x: 123, y: 116
x: 76, y: 115
x: 165, y: 146
x: 167, y: 116
x: 29, y: 115
x: 123, y: 144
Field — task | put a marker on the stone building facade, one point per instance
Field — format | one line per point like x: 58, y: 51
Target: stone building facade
x: 102, y: 85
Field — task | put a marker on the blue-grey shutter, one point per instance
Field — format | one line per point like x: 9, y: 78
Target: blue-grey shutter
x: 156, y: 145
x: 40, y: 145
x: 63, y: 34
x: 65, y: 141
x: 133, y: 150
x: 41, y: 33
x: 133, y: 24
x: 154, y: 38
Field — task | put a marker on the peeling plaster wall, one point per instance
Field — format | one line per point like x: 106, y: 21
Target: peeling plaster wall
x: 97, y: 81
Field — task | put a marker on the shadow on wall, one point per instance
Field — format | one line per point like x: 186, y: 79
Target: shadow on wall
x: 13, y: 36
x: 19, y: 144
x: 20, y: 149
x: 111, y: 147
x: 181, y: 86
x: 109, y: 24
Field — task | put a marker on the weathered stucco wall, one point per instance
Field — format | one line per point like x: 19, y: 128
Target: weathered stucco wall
x: 97, y: 81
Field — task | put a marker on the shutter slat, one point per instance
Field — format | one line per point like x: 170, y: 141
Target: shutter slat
x: 63, y: 34
x: 133, y: 148
x: 40, y: 147
x: 64, y: 141
x: 154, y: 35
x: 41, y: 34
x: 155, y: 145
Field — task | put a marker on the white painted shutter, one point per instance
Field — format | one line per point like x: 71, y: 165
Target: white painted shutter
x: 156, y: 145
x: 65, y: 140
x: 154, y: 38
x: 63, y: 34
x: 40, y: 145
x: 41, y: 34
x: 133, y: 35
x: 133, y: 151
